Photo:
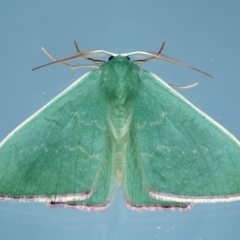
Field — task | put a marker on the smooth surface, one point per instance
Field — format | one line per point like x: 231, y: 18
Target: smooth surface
x: 204, y: 35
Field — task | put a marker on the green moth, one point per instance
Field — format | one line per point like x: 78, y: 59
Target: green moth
x: 120, y: 123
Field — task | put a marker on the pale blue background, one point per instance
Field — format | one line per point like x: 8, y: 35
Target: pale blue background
x: 202, y: 33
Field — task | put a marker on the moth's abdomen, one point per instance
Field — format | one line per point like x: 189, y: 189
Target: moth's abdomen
x: 120, y: 113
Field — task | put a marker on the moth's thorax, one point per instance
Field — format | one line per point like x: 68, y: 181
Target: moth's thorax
x: 119, y: 77
x: 121, y: 83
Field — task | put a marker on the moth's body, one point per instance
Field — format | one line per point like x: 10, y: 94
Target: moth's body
x: 120, y: 87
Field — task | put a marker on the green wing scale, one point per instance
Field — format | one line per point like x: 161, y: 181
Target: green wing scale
x: 182, y: 154
x: 59, y: 154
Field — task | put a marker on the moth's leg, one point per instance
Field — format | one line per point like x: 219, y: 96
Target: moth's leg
x: 73, y: 67
x: 150, y: 58
x: 96, y: 61
x: 183, y: 87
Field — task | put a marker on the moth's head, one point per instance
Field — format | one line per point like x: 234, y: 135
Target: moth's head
x: 119, y: 58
